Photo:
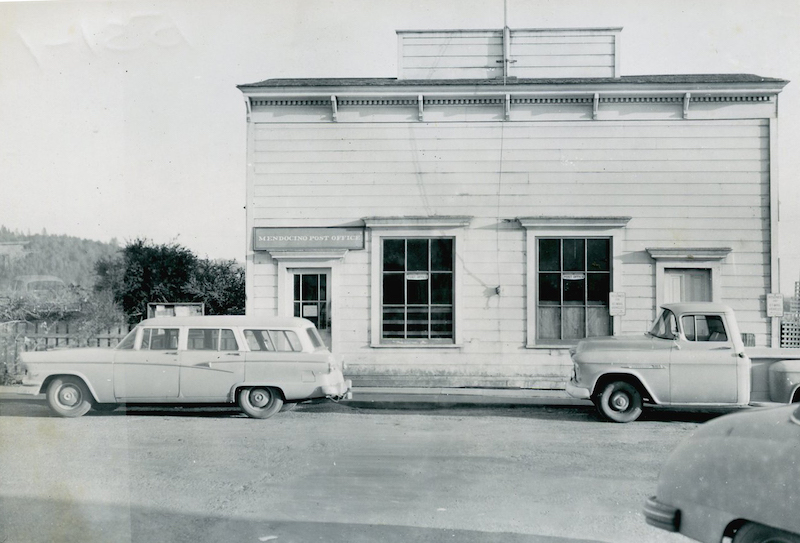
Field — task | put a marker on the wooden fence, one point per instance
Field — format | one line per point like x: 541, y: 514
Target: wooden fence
x: 20, y: 336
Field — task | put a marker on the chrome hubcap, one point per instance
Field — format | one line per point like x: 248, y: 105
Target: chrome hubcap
x: 69, y: 396
x: 259, y: 398
x: 620, y: 401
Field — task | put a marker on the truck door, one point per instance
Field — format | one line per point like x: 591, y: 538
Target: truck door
x: 704, y: 363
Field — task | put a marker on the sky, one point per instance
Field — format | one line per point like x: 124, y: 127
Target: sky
x: 122, y: 120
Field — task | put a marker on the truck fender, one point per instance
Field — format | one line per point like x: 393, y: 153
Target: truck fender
x: 629, y: 376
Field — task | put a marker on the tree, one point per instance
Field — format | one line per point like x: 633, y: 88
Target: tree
x: 145, y: 273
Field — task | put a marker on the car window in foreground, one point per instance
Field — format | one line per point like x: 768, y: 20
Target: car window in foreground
x: 159, y: 339
x: 704, y: 328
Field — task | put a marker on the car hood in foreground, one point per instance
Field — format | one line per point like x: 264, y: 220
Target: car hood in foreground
x: 746, y: 464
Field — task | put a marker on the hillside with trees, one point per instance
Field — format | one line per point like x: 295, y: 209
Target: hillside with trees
x: 70, y: 258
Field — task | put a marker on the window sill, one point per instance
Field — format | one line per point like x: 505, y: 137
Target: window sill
x: 414, y: 346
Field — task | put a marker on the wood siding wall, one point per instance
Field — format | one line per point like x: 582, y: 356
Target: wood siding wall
x: 534, y: 54
x: 684, y: 183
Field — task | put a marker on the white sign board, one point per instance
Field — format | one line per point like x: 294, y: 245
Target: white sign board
x: 774, y: 305
x: 616, y: 304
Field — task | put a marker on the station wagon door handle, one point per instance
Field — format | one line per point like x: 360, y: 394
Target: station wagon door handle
x: 231, y: 354
x: 721, y: 349
x: 170, y: 352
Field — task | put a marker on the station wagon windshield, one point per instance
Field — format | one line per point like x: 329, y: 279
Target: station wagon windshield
x: 665, y: 326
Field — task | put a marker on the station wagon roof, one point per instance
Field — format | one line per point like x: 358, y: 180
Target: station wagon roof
x: 698, y: 307
x: 222, y: 321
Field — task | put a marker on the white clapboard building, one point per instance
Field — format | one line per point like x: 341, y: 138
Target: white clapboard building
x: 509, y: 193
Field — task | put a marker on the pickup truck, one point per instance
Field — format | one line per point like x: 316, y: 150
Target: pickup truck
x: 692, y: 357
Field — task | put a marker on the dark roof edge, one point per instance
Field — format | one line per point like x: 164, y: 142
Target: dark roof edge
x: 676, y: 79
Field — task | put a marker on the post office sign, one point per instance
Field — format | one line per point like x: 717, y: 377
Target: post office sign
x: 303, y: 239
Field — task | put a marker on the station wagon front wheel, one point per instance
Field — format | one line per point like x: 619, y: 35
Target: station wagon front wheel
x: 260, y: 402
x: 620, y: 402
x: 68, y: 396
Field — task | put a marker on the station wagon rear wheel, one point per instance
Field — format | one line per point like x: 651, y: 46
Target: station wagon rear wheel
x: 260, y: 402
x: 68, y: 396
x: 620, y: 402
x: 758, y: 533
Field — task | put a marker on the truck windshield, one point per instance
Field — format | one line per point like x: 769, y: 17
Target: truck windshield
x: 665, y: 327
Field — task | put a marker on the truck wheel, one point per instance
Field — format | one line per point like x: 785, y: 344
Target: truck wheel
x: 68, y: 396
x: 260, y: 402
x: 758, y: 533
x: 620, y: 402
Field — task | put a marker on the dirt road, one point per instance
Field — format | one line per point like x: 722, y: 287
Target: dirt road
x: 331, y: 473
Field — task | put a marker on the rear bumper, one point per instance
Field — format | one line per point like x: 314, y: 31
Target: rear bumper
x: 339, y: 391
x: 662, y: 515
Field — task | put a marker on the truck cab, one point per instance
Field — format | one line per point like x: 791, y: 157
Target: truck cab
x: 692, y: 356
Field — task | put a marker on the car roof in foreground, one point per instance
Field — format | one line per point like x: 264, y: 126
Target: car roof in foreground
x: 228, y: 320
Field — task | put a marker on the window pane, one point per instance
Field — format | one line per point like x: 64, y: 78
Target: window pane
x: 598, y: 322
x: 417, y: 255
x: 259, y: 340
x: 688, y: 327
x: 394, y: 323
x: 323, y: 287
x: 548, y: 323
x: 598, y: 285
x: 574, y: 322
x: 163, y: 339
x: 574, y: 290
x: 310, y: 287
x: 701, y: 328
x: 145, y: 339
x: 394, y: 255
x: 441, y: 288
x: 549, y: 255
x: 716, y: 330
x: 394, y: 288
x: 417, y: 290
x: 417, y: 323
x: 550, y: 287
x: 228, y: 341
x: 598, y: 253
x: 574, y: 255
x: 297, y: 287
x: 201, y: 340
x: 442, y: 254
x: 441, y: 322
x: 297, y: 309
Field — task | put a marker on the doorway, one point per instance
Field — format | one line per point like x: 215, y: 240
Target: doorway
x: 687, y: 285
x: 311, y: 299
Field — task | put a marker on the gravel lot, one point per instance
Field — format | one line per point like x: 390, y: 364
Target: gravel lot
x: 330, y: 472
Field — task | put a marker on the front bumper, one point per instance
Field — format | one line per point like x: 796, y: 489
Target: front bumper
x: 662, y: 515
x: 576, y: 391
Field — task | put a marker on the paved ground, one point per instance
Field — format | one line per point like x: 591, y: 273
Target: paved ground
x: 359, y: 472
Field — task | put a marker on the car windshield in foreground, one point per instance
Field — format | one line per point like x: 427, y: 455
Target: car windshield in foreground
x: 665, y: 327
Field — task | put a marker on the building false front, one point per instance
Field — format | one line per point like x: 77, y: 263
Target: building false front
x: 465, y: 224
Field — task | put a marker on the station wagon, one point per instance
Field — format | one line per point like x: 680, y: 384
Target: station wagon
x: 260, y: 363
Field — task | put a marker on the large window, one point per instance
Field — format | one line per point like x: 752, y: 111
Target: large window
x: 417, y: 290
x: 574, y: 281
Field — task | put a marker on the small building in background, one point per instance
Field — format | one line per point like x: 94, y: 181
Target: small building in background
x: 509, y: 193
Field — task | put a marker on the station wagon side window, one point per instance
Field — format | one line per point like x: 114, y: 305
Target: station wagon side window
x: 159, y: 339
x: 704, y: 328
x: 273, y: 340
x: 128, y: 342
x: 211, y: 339
x: 316, y: 340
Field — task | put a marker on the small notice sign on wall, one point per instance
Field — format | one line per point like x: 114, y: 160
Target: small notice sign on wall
x: 774, y: 305
x: 616, y: 304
